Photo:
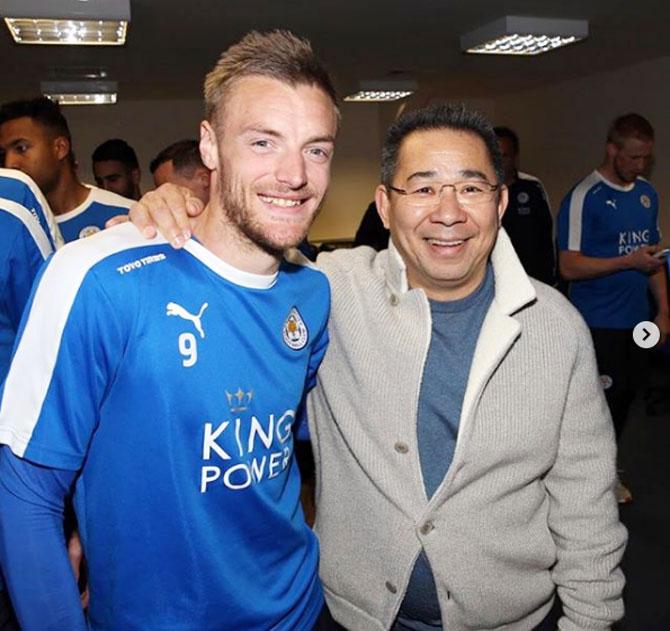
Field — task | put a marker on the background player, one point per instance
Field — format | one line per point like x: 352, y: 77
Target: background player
x: 607, y: 234
x: 28, y: 234
x: 35, y: 139
x: 116, y: 168
x: 180, y: 163
x: 527, y: 220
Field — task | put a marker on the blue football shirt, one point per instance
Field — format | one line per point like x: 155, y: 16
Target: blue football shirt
x: 603, y: 220
x: 17, y: 187
x: 91, y: 216
x: 28, y: 235
x: 172, y: 381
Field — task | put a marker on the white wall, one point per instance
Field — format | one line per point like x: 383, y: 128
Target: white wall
x: 355, y: 173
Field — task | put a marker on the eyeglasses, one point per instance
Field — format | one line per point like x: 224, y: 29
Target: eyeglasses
x: 468, y: 193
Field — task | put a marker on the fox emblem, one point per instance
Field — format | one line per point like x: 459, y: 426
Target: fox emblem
x: 173, y: 309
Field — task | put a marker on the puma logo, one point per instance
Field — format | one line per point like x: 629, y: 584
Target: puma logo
x: 173, y: 309
x: 611, y: 202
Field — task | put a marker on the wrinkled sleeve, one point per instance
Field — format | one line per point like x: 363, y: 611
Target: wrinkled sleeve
x: 583, y: 514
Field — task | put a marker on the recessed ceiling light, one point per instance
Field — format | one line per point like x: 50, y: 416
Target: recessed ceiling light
x: 81, y: 92
x: 517, y: 35
x: 380, y: 91
x: 86, y: 22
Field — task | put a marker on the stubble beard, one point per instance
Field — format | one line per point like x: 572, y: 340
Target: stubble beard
x: 233, y: 204
x: 623, y: 176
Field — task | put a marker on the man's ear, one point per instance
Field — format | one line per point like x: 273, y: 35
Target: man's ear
x: 382, y: 202
x: 502, y: 202
x: 209, y: 150
x: 61, y: 147
x: 136, y: 176
x: 611, y: 149
x: 203, y: 176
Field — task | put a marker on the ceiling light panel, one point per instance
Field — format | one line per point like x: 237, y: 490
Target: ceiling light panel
x: 382, y: 91
x: 73, y: 22
x: 81, y: 92
x: 372, y: 96
x: 517, y: 35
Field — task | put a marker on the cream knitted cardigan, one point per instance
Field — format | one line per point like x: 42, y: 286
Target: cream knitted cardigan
x: 527, y: 505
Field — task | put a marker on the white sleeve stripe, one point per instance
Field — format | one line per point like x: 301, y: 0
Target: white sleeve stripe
x: 576, y: 210
x: 47, y: 213
x: 30, y: 223
x: 31, y: 370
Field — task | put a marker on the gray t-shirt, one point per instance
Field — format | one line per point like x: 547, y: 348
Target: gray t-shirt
x: 456, y: 327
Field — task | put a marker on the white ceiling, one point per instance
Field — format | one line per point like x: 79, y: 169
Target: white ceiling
x: 172, y: 43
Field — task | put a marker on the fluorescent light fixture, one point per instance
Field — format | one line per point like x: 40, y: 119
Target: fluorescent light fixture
x: 517, y: 35
x: 380, y: 91
x: 81, y: 92
x: 74, y: 22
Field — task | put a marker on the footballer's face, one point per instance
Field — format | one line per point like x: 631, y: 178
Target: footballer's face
x: 30, y: 147
x: 117, y: 177
x: 271, y: 148
x: 631, y: 159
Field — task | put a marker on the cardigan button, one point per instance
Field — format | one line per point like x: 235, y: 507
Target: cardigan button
x: 401, y: 447
x: 391, y: 587
x: 394, y: 300
x: 427, y: 528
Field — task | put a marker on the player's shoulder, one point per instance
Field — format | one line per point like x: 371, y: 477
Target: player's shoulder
x: 18, y: 190
x: 583, y: 191
x: 107, y: 198
x: 528, y: 179
x: 113, y: 252
x: 589, y: 185
x: 19, y: 187
x: 298, y: 266
x: 645, y: 186
x: 18, y: 224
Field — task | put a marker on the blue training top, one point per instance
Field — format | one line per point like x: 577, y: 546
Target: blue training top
x: 91, y: 216
x: 28, y: 235
x: 172, y: 381
x: 603, y: 220
x: 17, y: 187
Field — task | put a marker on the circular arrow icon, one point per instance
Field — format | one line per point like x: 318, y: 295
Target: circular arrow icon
x: 646, y: 334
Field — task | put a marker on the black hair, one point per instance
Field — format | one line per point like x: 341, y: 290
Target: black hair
x: 116, y: 149
x: 439, y: 116
x: 43, y: 111
x: 510, y: 134
x: 185, y: 156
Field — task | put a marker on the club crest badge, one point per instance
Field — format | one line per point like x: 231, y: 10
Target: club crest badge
x: 522, y: 197
x: 645, y: 201
x: 295, y: 332
x: 606, y: 382
x: 88, y: 231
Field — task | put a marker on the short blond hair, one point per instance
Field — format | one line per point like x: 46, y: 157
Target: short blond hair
x: 276, y: 54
